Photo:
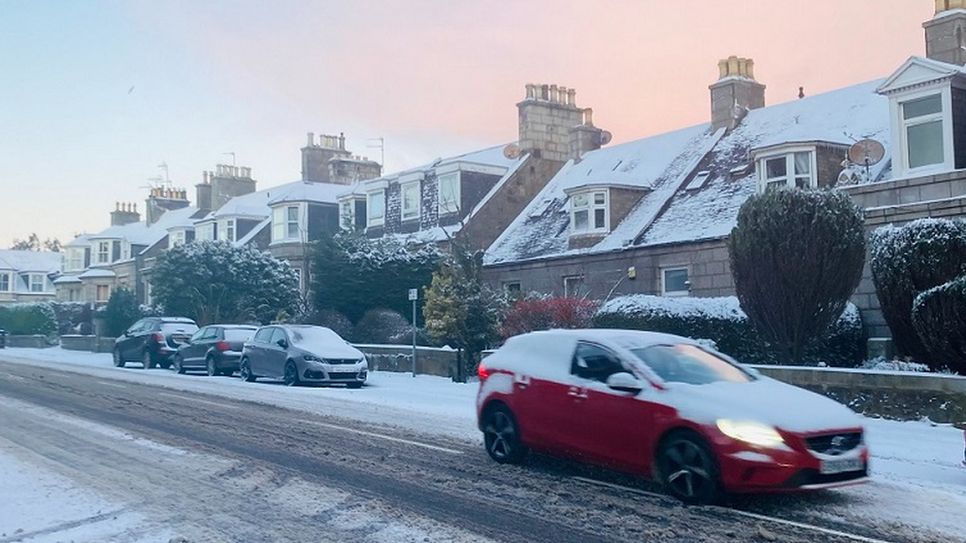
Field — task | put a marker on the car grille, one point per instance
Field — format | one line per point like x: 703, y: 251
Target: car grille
x: 340, y: 360
x: 342, y: 375
x: 834, y: 444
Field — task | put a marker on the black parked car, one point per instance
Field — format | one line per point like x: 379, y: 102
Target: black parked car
x: 215, y: 348
x: 299, y: 354
x: 153, y: 341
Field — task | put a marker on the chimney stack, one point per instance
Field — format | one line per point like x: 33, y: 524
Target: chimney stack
x: 547, y: 116
x: 124, y: 213
x: 735, y: 93
x: 946, y: 32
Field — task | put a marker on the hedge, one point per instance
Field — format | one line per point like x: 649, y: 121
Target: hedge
x: 938, y: 315
x: 722, y: 321
x: 28, y: 319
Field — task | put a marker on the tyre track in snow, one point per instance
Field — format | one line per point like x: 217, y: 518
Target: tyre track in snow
x: 463, y: 489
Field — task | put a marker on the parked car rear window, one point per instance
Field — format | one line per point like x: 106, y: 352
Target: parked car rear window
x: 178, y: 328
x: 689, y: 364
x: 238, y: 334
x: 314, y: 335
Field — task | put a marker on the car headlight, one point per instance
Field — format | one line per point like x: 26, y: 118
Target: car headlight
x: 753, y: 433
x: 311, y: 358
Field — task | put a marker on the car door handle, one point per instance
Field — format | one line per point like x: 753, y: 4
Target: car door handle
x: 522, y: 381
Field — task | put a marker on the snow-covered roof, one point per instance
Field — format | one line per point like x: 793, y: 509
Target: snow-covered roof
x: 30, y: 261
x: 141, y: 233
x: 82, y: 240
x: 95, y: 273
x: 65, y: 279
x: 673, y: 208
x: 307, y: 191
x: 490, y: 156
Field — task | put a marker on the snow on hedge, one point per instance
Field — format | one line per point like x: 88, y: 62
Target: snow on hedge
x: 726, y: 307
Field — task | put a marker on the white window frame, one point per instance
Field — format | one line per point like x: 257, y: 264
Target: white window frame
x: 675, y: 293
x: 104, y: 250
x: 177, y: 238
x: 6, y: 277
x: 447, y: 207
x: 230, y: 230
x: 74, y: 259
x: 347, y: 214
x: 371, y: 218
x: 36, y: 280
x: 902, y: 126
x: 282, y: 223
x: 590, y: 205
x: 410, y: 214
x: 790, y: 179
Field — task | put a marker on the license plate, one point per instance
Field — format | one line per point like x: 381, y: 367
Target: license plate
x: 841, y: 465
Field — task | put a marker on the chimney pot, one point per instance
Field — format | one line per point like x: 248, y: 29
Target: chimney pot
x: 311, y: 139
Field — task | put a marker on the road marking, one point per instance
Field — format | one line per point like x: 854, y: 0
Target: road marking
x: 110, y: 384
x: 383, y: 436
x: 776, y: 520
x: 198, y: 400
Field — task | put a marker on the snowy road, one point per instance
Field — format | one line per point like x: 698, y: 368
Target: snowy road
x: 128, y: 455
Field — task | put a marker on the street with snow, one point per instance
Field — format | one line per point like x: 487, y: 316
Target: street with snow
x: 90, y: 452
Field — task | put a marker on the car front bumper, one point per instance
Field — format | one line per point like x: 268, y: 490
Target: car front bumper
x: 747, y: 468
x: 320, y: 372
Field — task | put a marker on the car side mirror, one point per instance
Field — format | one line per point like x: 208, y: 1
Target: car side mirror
x: 127, y: 333
x: 282, y: 343
x: 624, y: 382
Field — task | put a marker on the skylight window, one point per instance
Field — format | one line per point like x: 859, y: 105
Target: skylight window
x: 699, y: 181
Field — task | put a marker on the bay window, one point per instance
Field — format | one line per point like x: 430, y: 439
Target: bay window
x: 230, y: 230
x: 75, y: 259
x: 347, y: 215
x: 5, y: 285
x: 104, y: 252
x: 449, y: 193
x: 102, y: 293
x: 286, y: 223
x: 589, y: 212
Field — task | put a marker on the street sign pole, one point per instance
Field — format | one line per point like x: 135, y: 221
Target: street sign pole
x: 413, y: 296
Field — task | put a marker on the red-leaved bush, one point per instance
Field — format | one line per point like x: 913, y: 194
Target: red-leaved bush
x: 531, y: 314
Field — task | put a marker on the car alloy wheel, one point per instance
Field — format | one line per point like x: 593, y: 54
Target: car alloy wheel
x: 291, y: 374
x: 118, y: 361
x: 245, y: 371
x: 212, y: 370
x: 501, y: 437
x: 147, y: 360
x: 688, y: 470
x: 179, y: 364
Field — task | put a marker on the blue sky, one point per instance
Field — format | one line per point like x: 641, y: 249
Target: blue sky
x: 95, y: 94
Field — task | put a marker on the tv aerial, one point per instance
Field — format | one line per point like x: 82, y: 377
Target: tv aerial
x: 866, y: 152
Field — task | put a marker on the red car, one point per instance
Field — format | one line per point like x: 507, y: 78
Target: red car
x: 666, y: 407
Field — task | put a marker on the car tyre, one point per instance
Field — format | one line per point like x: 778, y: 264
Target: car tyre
x: 291, y: 377
x: 179, y: 364
x: 245, y: 371
x: 118, y: 361
x: 210, y: 365
x: 687, y: 468
x: 501, y: 436
x: 147, y: 360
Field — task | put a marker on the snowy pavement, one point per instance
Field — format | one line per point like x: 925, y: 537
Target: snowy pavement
x: 917, y: 477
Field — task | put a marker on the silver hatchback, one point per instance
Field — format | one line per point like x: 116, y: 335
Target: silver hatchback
x: 297, y: 354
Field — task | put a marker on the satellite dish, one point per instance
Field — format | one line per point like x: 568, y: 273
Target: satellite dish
x: 605, y: 137
x: 512, y: 151
x: 866, y: 152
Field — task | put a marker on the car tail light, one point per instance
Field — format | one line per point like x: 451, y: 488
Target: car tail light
x: 482, y: 372
x: 159, y: 337
x: 223, y: 346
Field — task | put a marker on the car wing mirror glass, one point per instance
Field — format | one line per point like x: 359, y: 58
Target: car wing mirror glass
x: 624, y: 382
x: 282, y: 343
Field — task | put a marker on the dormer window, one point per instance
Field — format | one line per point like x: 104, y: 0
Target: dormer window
x: 794, y: 169
x: 286, y: 223
x: 38, y: 282
x: 922, y: 130
x: 589, y: 212
x: 449, y: 193
x: 104, y: 252
x: 376, y: 207
x: 410, y: 200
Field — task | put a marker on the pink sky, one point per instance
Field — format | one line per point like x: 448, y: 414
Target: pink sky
x: 432, y: 77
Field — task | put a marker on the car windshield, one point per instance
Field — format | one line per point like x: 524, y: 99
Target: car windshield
x: 314, y: 336
x: 238, y: 334
x: 689, y: 364
x: 178, y: 328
